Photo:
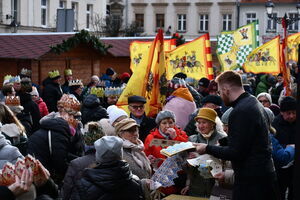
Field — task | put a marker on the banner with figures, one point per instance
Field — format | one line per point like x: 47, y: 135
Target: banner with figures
x: 265, y: 59
x: 234, y: 46
x: 293, y: 42
x: 156, y: 88
x: 148, y: 80
x: 139, y: 52
x: 192, y: 58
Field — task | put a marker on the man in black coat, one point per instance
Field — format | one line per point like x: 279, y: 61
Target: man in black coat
x: 249, y: 147
x: 285, y: 125
x: 52, y: 91
x: 136, y: 106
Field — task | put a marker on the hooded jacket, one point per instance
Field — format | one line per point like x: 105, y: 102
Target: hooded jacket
x: 263, y: 85
x: 8, y: 153
x: 108, y: 182
x: 91, y: 110
x: 31, y: 107
x: 42, y: 106
x: 51, y: 95
x: 38, y: 146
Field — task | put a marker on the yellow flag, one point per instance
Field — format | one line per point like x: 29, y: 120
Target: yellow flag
x: 293, y: 42
x: 193, y: 58
x: 145, y: 79
x: 234, y: 46
x: 139, y: 52
x: 264, y: 59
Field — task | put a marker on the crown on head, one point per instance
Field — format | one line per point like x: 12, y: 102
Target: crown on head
x: 70, y: 104
x: 15, y: 79
x: 53, y: 74
x: 99, y: 92
x: 113, y: 91
x: 68, y: 72
x: 25, y: 72
x: 12, y: 101
x: 6, y: 79
x: 76, y: 82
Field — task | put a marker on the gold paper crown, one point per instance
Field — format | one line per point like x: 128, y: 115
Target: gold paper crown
x: 12, y: 101
x: 70, y: 104
x: 68, y: 72
x: 25, y: 72
x: 7, y: 77
x: 76, y: 82
x: 53, y: 74
x: 99, y: 92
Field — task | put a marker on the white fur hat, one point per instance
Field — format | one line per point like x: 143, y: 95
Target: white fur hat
x: 114, y: 113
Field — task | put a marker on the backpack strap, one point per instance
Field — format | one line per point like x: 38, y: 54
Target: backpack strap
x: 50, y: 142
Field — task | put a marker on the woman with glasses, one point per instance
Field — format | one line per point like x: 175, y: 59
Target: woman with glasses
x: 133, y: 148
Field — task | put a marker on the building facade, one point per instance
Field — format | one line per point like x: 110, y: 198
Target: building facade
x: 251, y: 10
x: 41, y: 15
x: 191, y: 18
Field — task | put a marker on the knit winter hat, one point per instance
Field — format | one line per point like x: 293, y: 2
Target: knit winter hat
x: 264, y: 94
x: 225, y: 116
x: 108, y: 149
x: 203, y: 82
x: 110, y: 71
x: 124, y: 125
x: 164, y: 114
x: 215, y: 99
x: 34, y: 92
x: 270, y: 114
x: 288, y: 103
x: 114, y: 113
x: 207, y: 113
x: 93, y: 133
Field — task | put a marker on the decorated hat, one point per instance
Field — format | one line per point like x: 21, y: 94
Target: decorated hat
x: 25, y: 72
x: 12, y: 101
x: 54, y: 74
x: 6, y: 79
x: 68, y: 72
x: 74, y: 84
x: 113, y: 91
x: 69, y: 104
x: 15, y: 79
x: 98, y: 91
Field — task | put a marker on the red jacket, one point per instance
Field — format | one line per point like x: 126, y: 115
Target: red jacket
x: 42, y: 106
x: 155, y: 150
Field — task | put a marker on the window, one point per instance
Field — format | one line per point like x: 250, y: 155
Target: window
x: 160, y: 21
x: 227, y: 22
x: 250, y: 17
x: 295, y: 26
x: 75, y: 8
x: 62, y: 4
x: 44, y: 12
x: 89, y: 12
x: 271, y: 24
x: 181, y: 25
x: 139, y: 18
x: 203, y: 23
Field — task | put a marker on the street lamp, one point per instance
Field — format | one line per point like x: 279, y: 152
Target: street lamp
x: 285, y: 21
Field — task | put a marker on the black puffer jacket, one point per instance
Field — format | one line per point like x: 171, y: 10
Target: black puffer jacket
x: 51, y: 95
x: 249, y: 147
x: 91, y: 109
x: 108, y: 182
x: 38, y: 145
x: 32, y: 108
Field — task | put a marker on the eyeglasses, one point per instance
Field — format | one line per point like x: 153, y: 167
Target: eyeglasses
x: 263, y: 101
x: 137, y: 107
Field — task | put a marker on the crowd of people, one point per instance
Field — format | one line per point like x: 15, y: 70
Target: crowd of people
x: 89, y: 148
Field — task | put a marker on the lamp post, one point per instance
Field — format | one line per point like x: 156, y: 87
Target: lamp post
x: 285, y: 21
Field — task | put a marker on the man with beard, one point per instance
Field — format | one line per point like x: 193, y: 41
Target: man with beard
x: 249, y: 147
